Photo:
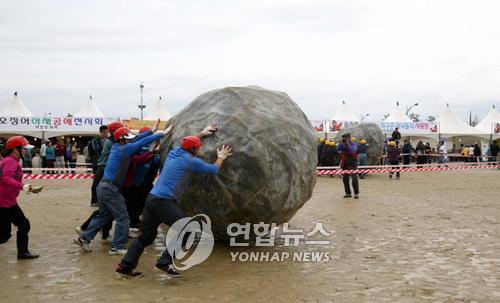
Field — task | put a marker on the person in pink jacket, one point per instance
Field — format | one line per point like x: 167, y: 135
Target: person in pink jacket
x: 11, y: 184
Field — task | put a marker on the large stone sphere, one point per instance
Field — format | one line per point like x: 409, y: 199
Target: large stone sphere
x: 272, y: 172
x: 373, y: 135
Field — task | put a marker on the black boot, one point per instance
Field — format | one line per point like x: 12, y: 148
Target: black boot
x: 27, y: 255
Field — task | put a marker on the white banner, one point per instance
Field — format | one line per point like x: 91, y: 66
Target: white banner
x: 338, y: 125
x: 56, y: 124
x: 409, y: 127
x: 318, y: 125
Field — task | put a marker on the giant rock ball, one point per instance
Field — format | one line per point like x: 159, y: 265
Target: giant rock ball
x: 272, y: 171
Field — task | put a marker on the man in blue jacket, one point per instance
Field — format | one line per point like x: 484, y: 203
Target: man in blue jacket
x: 111, y: 202
x: 161, y: 204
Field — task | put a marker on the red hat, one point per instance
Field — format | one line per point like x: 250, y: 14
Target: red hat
x: 190, y: 142
x: 113, y: 126
x: 18, y: 141
x: 144, y: 129
x: 123, y: 132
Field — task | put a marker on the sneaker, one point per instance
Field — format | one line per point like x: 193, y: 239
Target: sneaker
x: 169, y: 270
x: 27, y: 256
x: 125, y: 273
x: 83, y: 244
x: 356, y: 196
x: 115, y: 252
x: 347, y: 196
x: 78, y: 230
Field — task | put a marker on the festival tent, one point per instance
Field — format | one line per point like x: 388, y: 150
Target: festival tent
x: 16, y: 108
x: 158, y: 111
x: 397, y: 115
x: 450, y: 125
x: 345, y: 114
x: 90, y: 109
x: 489, y: 122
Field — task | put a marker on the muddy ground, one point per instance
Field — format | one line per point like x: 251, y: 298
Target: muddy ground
x: 429, y: 237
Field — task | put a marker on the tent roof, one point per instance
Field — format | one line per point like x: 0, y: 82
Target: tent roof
x: 90, y: 110
x: 492, y: 117
x: 16, y: 108
x: 397, y: 115
x: 158, y: 111
x: 345, y: 114
x: 451, y: 125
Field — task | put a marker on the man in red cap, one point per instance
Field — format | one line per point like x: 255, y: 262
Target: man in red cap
x: 161, y: 204
x: 101, y: 165
x: 11, y: 183
x: 111, y: 201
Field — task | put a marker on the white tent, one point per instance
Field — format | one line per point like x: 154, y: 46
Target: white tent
x: 486, y: 125
x: 450, y: 125
x: 90, y: 110
x: 345, y: 114
x: 16, y: 108
x: 397, y: 115
x: 158, y: 111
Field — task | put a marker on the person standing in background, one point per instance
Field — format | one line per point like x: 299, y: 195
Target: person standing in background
x: 420, y: 152
x: 50, y: 157
x: 428, y: 153
x: 393, y: 156
x: 396, y: 136
x: 406, y: 150
x: 494, y: 152
x: 477, y: 152
x: 362, y: 156
x: 42, y: 155
x: 349, y: 154
x: 68, y: 152
x: 95, y: 146
x: 443, y: 153
x: 60, y: 156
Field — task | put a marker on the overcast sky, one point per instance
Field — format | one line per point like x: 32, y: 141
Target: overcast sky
x: 369, y: 53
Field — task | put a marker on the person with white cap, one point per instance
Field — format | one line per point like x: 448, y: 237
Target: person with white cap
x: 111, y: 202
x: 11, y: 184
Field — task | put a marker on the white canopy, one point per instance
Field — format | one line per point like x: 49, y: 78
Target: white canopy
x: 450, y: 125
x: 487, y: 123
x: 158, y: 111
x: 345, y: 114
x: 16, y: 108
x: 397, y: 115
x: 90, y: 110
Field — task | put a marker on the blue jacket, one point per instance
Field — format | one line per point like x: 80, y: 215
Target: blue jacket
x: 119, y: 157
x: 175, y: 175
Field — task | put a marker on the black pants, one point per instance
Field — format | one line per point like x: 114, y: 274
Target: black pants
x: 44, y: 164
x: 394, y: 163
x: 50, y: 164
x: 406, y: 160
x: 97, y: 178
x: 106, y: 228
x: 14, y: 215
x: 355, y: 185
x: 135, y: 204
x: 156, y: 211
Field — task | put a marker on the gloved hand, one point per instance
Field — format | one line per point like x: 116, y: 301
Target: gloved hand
x: 155, y: 128
x: 212, y: 128
x: 27, y: 187
x: 224, y: 152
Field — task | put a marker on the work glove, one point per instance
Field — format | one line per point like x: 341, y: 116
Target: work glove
x: 212, y: 128
x: 27, y: 187
x: 224, y: 152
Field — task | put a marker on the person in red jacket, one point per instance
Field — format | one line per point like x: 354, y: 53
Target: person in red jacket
x: 11, y: 184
